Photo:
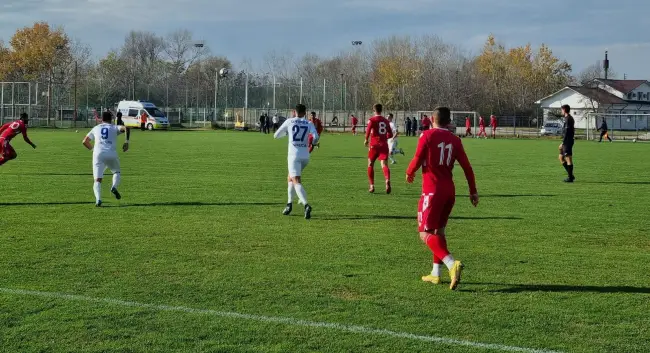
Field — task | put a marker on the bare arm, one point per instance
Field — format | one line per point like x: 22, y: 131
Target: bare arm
x: 123, y: 129
x: 24, y: 131
x: 87, y: 144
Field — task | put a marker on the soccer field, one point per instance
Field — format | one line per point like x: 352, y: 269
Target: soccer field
x: 197, y: 257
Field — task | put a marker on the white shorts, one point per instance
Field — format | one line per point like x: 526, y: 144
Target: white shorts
x: 103, y: 161
x: 392, y: 143
x: 296, y: 166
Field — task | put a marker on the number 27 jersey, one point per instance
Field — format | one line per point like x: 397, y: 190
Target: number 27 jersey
x: 105, y: 137
x: 298, y: 131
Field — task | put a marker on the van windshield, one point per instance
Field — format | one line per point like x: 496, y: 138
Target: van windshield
x: 155, y: 112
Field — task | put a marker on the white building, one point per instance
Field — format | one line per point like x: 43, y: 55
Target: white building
x: 618, y: 97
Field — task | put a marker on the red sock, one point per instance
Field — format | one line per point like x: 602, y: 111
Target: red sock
x: 436, y: 259
x: 438, y: 246
x: 386, y: 172
x: 371, y: 175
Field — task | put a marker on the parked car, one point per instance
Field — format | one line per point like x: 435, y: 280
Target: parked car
x: 551, y: 129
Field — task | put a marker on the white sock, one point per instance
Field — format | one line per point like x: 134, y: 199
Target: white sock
x: 290, y: 192
x: 436, y: 270
x: 116, y: 180
x: 97, y: 188
x: 302, y: 194
x: 449, y: 261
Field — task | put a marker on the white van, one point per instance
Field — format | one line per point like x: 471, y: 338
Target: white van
x: 131, y: 111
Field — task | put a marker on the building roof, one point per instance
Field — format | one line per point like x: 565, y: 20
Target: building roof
x: 623, y: 86
x: 598, y: 95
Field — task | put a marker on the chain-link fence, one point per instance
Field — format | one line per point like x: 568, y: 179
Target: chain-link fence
x: 619, y: 126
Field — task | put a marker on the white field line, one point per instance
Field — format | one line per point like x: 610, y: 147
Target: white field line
x: 278, y: 320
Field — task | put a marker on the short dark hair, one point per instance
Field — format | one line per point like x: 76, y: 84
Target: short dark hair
x: 107, y: 117
x: 566, y: 108
x: 378, y: 108
x: 23, y: 116
x: 313, y: 113
x: 390, y: 115
x: 442, y: 116
x: 301, y: 110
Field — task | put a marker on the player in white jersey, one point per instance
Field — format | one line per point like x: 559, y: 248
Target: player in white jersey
x: 297, y: 129
x: 392, y: 142
x: 105, y: 153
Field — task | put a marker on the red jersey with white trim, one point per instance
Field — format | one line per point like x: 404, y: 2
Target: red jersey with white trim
x: 438, y: 149
x: 10, y: 130
x: 481, y: 122
x: 378, y: 131
x: 318, y: 124
x: 493, y: 121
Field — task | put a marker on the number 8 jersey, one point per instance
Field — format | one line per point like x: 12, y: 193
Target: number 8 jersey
x: 105, y: 137
x: 298, y: 130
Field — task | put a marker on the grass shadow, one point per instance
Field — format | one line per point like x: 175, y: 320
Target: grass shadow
x: 562, y: 288
x: 414, y: 217
x: 151, y: 204
x: 619, y: 182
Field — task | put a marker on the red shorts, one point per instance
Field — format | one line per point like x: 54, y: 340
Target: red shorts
x: 434, y: 210
x: 378, y: 152
x: 6, y: 151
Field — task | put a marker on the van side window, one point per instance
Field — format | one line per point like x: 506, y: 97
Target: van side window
x: 133, y: 112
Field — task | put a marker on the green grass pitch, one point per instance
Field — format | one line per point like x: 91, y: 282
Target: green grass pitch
x: 549, y: 266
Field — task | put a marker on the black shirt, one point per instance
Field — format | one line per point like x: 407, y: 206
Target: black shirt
x: 568, y: 131
x: 603, y: 126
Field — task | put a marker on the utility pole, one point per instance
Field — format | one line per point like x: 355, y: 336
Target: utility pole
x: 75, y: 93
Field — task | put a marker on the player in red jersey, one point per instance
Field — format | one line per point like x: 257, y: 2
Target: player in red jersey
x: 438, y: 149
x: 319, y: 128
x: 7, y: 132
x: 481, y: 128
x: 493, y: 125
x: 354, y: 121
x: 378, y: 131
x: 468, y: 127
x: 426, y: 123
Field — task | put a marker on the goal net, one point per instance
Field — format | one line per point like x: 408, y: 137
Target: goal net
x: 619, y: 126
x: 457, y: 120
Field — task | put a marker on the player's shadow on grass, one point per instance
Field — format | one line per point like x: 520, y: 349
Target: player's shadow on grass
x: 380, y: 217
x: 191, y: 203
x: 561, y: 288
x: 619, y: 182
x: 196, y: 203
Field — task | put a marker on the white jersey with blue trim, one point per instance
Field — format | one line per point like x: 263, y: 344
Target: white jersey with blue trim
x: 298, y: 130
x: 105, y: 137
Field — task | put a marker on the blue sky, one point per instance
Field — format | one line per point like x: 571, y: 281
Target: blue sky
x: 577, y: 30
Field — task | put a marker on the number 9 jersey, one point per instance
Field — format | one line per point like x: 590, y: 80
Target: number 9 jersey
x: 105, y: 137
x: 298, y: 130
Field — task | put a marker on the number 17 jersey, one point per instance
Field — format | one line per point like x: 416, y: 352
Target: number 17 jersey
x: 105, y: 137
x: 298, y: 131
x: 437, y: 152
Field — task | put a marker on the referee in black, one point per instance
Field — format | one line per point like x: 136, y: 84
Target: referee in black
x: 603, y: 131
x: 566, y: 148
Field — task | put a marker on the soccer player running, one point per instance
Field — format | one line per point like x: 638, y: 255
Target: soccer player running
x: 566, y: 148
x: 354, y: 121
x: 319, y: 129
x: 468, y: 127
x: 493, y: 125
x: 438, y: 149
x: 392, y: 142
x: 603, y: 131
x: 105, y: 154
x: 481, y: 128
x: 297, y: 129
x: 7, y: 132
x: 377, y: 134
